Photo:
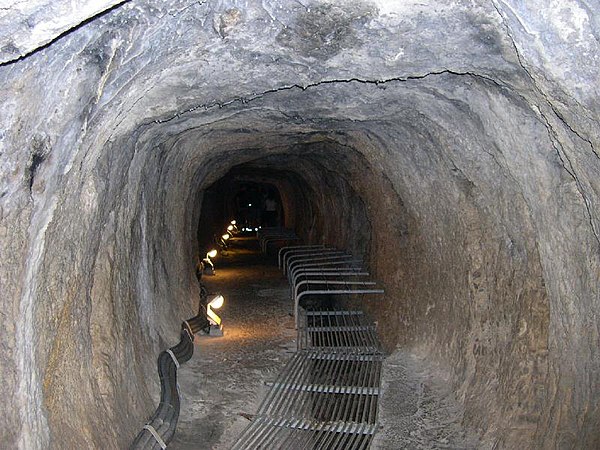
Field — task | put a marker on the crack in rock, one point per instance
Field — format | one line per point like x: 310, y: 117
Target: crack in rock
x: 256, y: 96
x: 538, y: 89
x: 562, y: 155
x: 61, y: 35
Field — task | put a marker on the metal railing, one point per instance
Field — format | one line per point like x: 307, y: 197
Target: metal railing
x: 274, y: 234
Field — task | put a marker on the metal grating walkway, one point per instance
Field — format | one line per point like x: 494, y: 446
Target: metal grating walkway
x: 326, y: 397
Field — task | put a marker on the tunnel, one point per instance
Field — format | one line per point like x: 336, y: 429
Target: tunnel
x: 452, y: 145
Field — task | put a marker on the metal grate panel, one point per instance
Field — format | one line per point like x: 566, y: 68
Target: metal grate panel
x: 326, y: 397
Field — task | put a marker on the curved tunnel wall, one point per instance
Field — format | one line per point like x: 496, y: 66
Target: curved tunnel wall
x: 473, y: 191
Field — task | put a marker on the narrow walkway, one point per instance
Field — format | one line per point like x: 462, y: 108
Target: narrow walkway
x: 236, y: 387
x: 324, y: 399
x: 225, y: 381
x: 327, y: 396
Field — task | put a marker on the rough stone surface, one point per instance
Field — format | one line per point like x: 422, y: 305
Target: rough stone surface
x: 454, y: 144
x: 418, y: 408
x: 28, y: 26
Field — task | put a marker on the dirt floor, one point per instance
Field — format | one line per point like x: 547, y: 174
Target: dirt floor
x: 226, y: 379
x: 418, y: 409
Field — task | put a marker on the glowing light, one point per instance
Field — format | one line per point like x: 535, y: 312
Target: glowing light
x: 215, y: 303
x: 249, y: 204
x: 233, y: 222
x: 212, y: 253
x: 230, y: 228
x: 226, y: 236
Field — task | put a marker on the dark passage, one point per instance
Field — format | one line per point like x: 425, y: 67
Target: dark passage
x: 452, y: 146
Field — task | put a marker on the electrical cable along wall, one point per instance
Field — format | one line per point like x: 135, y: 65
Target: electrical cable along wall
x: 160, y: 428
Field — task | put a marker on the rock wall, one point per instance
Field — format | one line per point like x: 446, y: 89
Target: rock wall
x: 455, y: 143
